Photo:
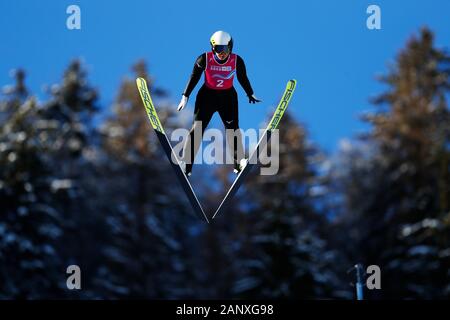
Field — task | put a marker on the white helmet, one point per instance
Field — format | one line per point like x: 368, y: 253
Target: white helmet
x: 221, y: 41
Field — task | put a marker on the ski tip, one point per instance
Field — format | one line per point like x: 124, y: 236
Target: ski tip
x: 140, y: 80
x: 292, y: 84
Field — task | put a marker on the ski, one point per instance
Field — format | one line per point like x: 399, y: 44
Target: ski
x: 262, y: 143
x: 164, y: 140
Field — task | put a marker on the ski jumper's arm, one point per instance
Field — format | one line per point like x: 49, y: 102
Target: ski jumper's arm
x: 242, y: 76
x: 199, y: 67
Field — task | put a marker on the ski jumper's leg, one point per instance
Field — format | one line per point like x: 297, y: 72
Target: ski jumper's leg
x: 202, y: 116
x: 228, y: 111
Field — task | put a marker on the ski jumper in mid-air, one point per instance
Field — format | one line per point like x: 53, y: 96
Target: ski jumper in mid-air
x: 220, y: 66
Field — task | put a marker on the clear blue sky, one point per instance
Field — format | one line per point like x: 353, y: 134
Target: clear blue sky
x: 325, y: 45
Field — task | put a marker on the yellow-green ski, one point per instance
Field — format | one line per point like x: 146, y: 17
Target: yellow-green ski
x: 148, y: 104
x: 273, y: 124
x: 173, y: 158
x: 282, y: 106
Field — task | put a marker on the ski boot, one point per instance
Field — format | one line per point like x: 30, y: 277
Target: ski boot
x: 238, y: 167
x: 187, y: 169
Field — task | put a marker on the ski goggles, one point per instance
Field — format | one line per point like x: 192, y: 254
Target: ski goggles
x: 221, y: 49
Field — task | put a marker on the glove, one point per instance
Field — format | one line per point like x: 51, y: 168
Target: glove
x: 253, y: 99
x: 183, y: 103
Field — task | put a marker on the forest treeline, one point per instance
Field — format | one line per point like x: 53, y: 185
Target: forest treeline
x: 101, y: 195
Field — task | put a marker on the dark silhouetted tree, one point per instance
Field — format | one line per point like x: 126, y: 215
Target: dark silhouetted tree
x: 396, y: 183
